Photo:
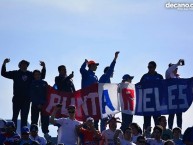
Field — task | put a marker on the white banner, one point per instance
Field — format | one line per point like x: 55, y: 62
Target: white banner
x: 127, y: 98
x: 108, y: 98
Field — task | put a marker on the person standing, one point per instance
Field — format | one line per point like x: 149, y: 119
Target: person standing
x: 151, y: 75
x: 89, y: 78
x: 106, y: 78
x: 126, y: 118
x: 172, y: 72
x: 22, y: 79
x: 64, y: 82
x: 67, y: 131
x: 38, y: 94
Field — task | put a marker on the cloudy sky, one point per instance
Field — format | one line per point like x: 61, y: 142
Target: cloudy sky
x: 70, y: 31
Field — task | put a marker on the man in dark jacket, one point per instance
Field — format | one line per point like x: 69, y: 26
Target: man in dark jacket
x: 64, y: 82
x: 151, y: 75
x: 38, y: 93
x: 22, y: 79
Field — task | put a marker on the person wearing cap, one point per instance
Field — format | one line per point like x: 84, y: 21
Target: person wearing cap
x: 106, y: 78
x: 11, y: 137
x: 67, y: 130
x: 126, y: 118
x: 63, y: 82
x: 172, y: 72
x: 151, y: 75
x: 38, y: 95
x: 88, y: 76
x: 22, y: 79
x: 34, y: 135
x: 25, y: 137
x: 108, y: 134
x: 90, y: 134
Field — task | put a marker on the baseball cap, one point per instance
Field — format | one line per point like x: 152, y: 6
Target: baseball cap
x: 23, y: 61
x: 90, y: 119
x: 10, y: 124
x: 92, y: 62
x: 34, y: 128
x: 2, y: 123
x: 25, y: 129
x: 127, y: 76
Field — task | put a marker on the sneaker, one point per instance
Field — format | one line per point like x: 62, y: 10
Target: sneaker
x: 47, y: 136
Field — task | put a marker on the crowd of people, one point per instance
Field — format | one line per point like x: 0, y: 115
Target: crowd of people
x: 30, y: 89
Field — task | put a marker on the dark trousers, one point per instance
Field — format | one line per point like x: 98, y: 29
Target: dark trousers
x: 96, y: 126
x: 171, y: 120
x: 35, y: 111
x: 126, y: 121
x: 147, y: 121
x: 20, y: 106
x: 103, y: 124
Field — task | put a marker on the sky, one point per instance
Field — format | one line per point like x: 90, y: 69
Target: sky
x: 69, y: 31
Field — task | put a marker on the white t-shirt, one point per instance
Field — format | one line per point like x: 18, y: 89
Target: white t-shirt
x: 126, y: 142
x: 66, y: 132
x: 39, y: 139
x: 108, y: 135
x: 152, y: 141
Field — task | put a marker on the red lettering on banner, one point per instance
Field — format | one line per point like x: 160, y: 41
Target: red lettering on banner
x: 85, y: 100
x: 128, y: 99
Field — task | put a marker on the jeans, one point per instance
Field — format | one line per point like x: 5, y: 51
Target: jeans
x: 171, y: 120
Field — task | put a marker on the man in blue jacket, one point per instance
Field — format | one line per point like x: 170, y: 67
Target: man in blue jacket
x: 89, y: 77
x: 108, y: 71
x: 22, y: 79
x: 106, y: 78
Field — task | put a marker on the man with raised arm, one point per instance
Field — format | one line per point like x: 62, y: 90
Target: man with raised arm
x: 22, y: 79
x: 67, y: 131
